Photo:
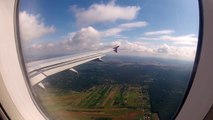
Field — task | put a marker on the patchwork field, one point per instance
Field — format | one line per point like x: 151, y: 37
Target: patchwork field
x: 104, y: 102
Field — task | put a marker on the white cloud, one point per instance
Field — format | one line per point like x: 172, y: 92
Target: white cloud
x: 85, y: 39
x: 112, y: 32
x: 134, y: 24
x: 36, y: 46
x: 90, y: 39
x: 176, y: 52
x: 163, y: 49
x: 100, y: 13
x: 132, y: 47
x: 31, y: 26
x: 123, y: 27
x: 144, y: 48
x: 189, y: 39
x: 161, y: 32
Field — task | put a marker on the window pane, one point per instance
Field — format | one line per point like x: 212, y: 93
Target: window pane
x: 146, y: 79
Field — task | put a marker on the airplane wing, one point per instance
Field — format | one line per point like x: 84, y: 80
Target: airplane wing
x: 39, y: 70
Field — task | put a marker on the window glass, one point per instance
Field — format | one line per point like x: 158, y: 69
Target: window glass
x: 146, y: 79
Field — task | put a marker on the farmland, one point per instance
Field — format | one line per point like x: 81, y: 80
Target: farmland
x: 104, y: 102
x: 117, y: 89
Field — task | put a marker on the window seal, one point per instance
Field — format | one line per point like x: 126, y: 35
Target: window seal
x: 3, y: 113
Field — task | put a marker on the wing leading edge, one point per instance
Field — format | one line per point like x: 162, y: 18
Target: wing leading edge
x: 39, y: 70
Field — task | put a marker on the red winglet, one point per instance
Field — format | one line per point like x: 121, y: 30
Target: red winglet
x: 116, y: 49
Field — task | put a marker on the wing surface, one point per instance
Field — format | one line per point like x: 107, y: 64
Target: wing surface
x: 39, y: 70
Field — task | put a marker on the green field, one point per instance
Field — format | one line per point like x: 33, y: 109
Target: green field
x: 103, y: 102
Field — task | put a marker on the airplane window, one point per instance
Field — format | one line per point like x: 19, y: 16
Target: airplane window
x: 109, y: 59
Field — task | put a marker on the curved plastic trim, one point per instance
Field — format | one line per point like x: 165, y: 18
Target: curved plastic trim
x: 200, y: 98
x: 22, y: 106
x: 196, y: 61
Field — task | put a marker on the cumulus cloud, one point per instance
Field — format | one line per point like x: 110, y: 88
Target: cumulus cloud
x: 177, y: 52
x: 161, y: 32
x: 163, y: 49
x: 32, y: 27
x: 189, y: 39
x: 132, y: 47
x: 85, y: 39
x: 123, y: 27
x: 100, y: 13
x: 89, y: 38
x: 160, y: 50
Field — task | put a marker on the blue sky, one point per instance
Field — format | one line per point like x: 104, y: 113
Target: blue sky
x: 166, y: 28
